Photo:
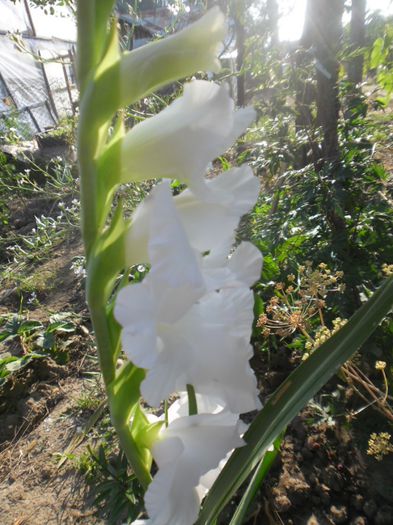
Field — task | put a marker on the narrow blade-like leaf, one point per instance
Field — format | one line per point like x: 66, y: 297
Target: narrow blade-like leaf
x: 292, y: 396
x: 260, y: 473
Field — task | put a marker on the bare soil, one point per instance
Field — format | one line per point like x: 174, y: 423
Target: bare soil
x: 323, y: 475
x: 33, y: 489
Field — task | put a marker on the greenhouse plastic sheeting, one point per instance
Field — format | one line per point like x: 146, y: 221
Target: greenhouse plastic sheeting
x: 13, y: 17
x: 24, y: 79
x: 61, y: 25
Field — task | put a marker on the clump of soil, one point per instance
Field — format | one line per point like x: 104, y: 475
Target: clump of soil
x: 323, y: 475
x: 33, y: 488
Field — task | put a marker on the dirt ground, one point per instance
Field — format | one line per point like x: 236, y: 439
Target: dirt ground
x: 324, y: 475
x: 34, y: 489
x: 42, y: 416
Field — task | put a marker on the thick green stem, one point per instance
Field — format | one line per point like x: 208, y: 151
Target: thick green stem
x: 131, y: 451
x: 104, y: 342
x: 86, y: 16
x: 87, y: 145
x: 91, y: 23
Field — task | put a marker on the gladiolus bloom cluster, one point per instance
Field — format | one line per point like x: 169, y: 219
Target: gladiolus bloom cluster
x: 188, y: 323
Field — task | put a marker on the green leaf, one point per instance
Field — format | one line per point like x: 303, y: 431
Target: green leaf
x: 259, y: 475
x: 48, y: 341
x: 377, y: 54
x: 103, y: 9
x: 293, y: 395
x: 123, y: 395
x: 108, y: 259
x: 61, y: 326
x: 29, y: 326
x: 144, y: 433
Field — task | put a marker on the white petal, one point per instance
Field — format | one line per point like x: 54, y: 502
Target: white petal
x: 135, y: 311
x: 137, y: 237
x: 210, y: 221
x: 242, y: 268
x: 237, y: 188
x: 175, y: 276
x: 180, y: 141
x: 206, y: 223
x: 208, y: 348
x: 172, y: 498
x: 246, y: 263
x: 163, y: 377
x: 205, y: 404
x: 171, y: 502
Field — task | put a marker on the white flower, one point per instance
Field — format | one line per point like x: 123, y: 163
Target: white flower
x: 178, y: 329
x: 187, y: 450
x: 208, y: 222
x: 208, y: 347
x: 181, y: 141
x: 193, y: 49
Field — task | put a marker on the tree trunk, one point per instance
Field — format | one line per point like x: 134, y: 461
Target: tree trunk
x: 358, y: 32
x: 326, y: 35
x: 240, y: 33
x: 305, y: 93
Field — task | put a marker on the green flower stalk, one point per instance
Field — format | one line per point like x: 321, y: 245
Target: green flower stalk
x: 108, y: 81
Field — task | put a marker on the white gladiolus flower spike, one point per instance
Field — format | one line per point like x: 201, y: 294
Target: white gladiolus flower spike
x: 187, y: 450
x: 178, y: 329
x: 181, y: 141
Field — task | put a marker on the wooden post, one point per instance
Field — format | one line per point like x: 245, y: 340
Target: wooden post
x: 68, y: 86
x: 48, y: 89
x: 71, y: 54
x: 48, y: 107
x: 33, y: 119
x: 32, y: 26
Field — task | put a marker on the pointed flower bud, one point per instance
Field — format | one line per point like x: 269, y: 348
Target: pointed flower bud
x: 193, y: 49
x: 137, y: 73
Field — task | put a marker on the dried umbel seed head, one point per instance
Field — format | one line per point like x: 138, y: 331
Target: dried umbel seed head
x: 380, y: 365
x: 379, y: 445
x: 262, y: 320
x: 296, y: 320
x: 296, y: 305
x: 387, y: 269
x: 338, y: 323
